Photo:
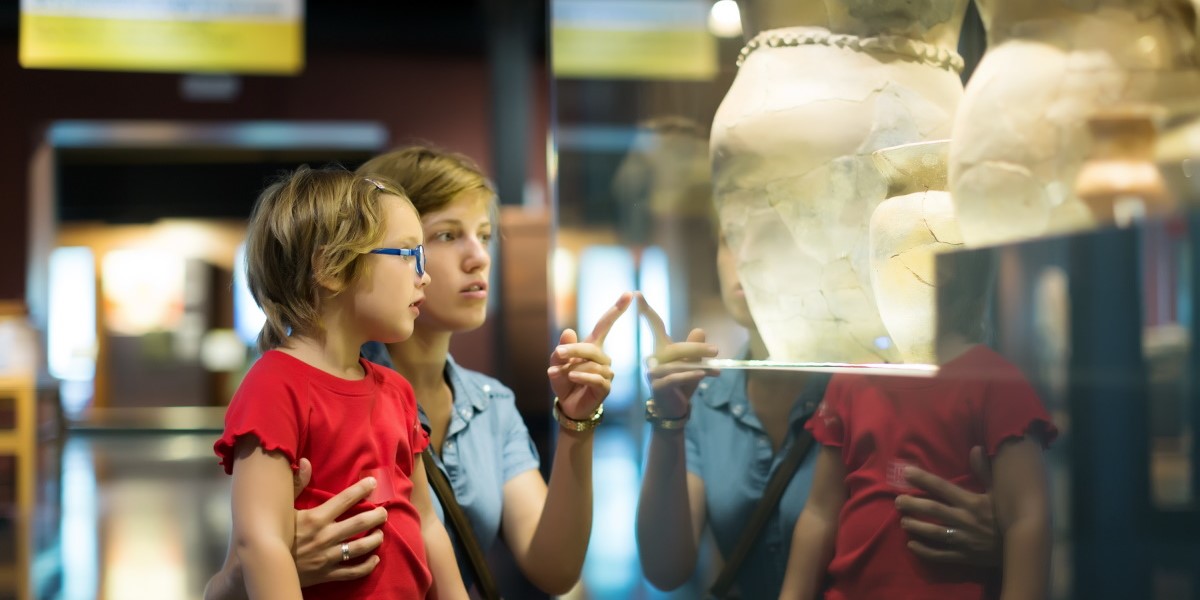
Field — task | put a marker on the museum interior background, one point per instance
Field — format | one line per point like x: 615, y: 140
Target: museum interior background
x: 623, y: 138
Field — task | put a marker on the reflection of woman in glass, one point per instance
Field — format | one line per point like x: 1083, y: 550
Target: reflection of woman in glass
x: 664, y: 187
x: 713, y: 470
x: 849, y: 541
x: 479, y: 438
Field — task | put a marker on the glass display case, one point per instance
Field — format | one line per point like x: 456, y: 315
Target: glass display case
x: 925, y: 245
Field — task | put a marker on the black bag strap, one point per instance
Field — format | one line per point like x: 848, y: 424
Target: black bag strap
x: 462, y: 527
x: 801, y: 446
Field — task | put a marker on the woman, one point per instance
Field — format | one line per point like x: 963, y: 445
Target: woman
x: 715, y: 453
x: 480, y: 441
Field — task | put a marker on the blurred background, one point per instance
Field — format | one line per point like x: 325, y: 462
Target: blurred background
x: 135, y: 138
x: 127, y: 176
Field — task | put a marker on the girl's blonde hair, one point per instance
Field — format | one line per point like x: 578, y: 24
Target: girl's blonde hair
x: 432, y: 178
x: 309, y: 230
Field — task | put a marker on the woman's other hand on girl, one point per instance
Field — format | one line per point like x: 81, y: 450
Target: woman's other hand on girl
x: 953, y: 525
x: 581, y: 372
x: 317, y: 547
x: 672, y: 379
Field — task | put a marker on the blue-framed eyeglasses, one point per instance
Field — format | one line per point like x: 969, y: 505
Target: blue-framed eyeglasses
x: 418, y: 252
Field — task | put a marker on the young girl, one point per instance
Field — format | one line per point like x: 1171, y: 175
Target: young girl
x: 334, y: 260
x: 850, y: 540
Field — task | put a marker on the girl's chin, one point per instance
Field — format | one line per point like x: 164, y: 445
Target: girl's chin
x: 392, y: 338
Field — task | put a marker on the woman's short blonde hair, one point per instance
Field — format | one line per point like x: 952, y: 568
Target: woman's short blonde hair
x: 432, y: 178
x: 309, y: 231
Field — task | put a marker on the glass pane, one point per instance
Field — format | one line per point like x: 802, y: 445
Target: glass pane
x: 907, y: 267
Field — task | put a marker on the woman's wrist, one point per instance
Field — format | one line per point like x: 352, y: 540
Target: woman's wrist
x: 662, y: 422
x: 573, y: 425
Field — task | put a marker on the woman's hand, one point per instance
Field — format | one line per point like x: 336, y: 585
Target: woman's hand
x: 965, y: 528
x: 672, y: 379
x: 317, y: 547
x: 580, y: 372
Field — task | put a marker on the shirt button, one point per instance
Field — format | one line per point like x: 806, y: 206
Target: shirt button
x: 486, y: 388
x: 465, y: 413
x: 738, y: 410
x: 450, y: 445
x: 704, y: 385
x: 763, y: 441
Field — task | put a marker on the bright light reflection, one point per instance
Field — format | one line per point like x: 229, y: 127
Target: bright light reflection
x: 143, y: 291
x: 75, y: 396
x: 142, y: 548
x: 222, y: 350
x: 562, y: 264
x: 605, y: 272
x: 248, y: 318
x: 611, y: 567
x: 654, y: 283
x: 80, y: 522
x: 724, y: 19
x: 71, y: 330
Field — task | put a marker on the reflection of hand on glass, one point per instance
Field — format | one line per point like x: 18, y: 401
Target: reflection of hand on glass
x: 671, y: 507
x: 709, y: 472
x: 951, y: 508
x: 673, y: 388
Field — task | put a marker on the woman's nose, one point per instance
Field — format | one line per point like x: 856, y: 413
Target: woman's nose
x: 478, y: 254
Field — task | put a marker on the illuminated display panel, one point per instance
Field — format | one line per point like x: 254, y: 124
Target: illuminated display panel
x: 214, y: 36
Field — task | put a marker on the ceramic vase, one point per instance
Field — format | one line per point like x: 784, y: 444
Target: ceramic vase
x: 793, y: 179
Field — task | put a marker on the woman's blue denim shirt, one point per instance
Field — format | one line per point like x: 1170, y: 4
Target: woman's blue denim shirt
x: 729, y: 449
x: 486, y: 445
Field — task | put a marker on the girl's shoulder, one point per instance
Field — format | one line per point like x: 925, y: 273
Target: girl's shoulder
x: 275, y: 369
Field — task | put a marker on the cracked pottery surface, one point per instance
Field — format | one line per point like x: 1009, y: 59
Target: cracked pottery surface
x: 908, y: 230
x: 1020, y: 137
x: 793, y: 179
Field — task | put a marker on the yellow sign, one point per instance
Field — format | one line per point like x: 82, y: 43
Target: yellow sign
x: 615, y: 54
x: 622, y: 39
x: 254, y: 36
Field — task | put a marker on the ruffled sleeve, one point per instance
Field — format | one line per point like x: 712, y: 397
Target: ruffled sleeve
x: 828, y: 423
x: 1012, y: 410
x: 267, y: 407
x: 419, y: 438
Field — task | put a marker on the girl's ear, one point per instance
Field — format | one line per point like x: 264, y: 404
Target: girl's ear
x: 326, y: 281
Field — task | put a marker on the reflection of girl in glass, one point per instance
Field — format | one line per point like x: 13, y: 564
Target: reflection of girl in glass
x: 850, y: 542
x: 715, y: 443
